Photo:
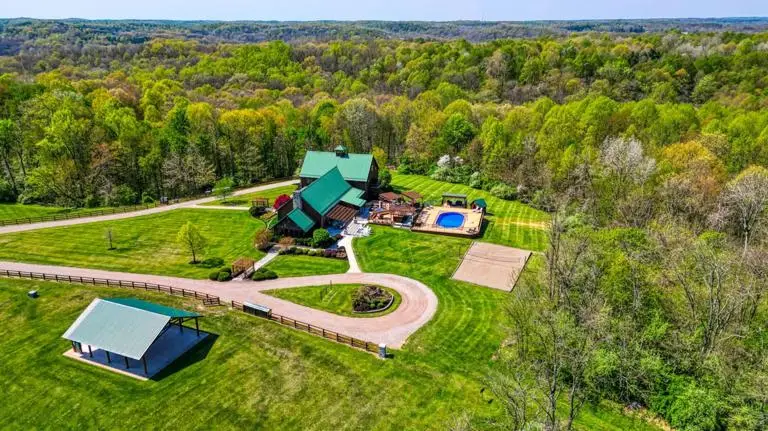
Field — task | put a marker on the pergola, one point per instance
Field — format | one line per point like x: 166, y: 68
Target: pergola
x: 413, y: 196
x: 455, y: 199
x: 389, y: 197
x: 127, y: 327
x: 260, y: 202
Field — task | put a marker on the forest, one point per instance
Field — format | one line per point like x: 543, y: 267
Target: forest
x: 649, y: 149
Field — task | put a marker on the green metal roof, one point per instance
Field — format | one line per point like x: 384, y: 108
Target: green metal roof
x: 301, y: 219
x: 353, y: 196
x: 353, y: 167
x: 152, y: 307
x: 117, y: 328
x: 326, y: 191
x: 480, y: 203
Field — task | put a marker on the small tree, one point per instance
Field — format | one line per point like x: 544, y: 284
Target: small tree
x: 108, y: 236
x: 223, y: 188
x: 320, y: 237
x: 385, y: 180
x: 263, y: 239
x: 280, y: 201
x: 191, y: 240
x: 744, y: 203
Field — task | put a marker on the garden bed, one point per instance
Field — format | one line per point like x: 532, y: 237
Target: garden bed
x: 372, y: 299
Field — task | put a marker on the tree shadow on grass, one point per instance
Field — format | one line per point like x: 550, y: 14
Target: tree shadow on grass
x: 194, y: 355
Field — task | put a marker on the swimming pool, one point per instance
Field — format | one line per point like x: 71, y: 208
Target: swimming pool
x: 450, y: 220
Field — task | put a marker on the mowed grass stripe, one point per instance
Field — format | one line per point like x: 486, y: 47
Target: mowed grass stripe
x: 510, y: 222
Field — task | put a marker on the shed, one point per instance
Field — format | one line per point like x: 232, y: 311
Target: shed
x: 479, y: 203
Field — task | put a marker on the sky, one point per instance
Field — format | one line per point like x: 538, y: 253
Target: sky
x: 395, y: 10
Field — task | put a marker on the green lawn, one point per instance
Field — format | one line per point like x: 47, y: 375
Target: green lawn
x: 336, y: 298
x: 509, y: 222
x: 299, y: 266
x: 14, y: 211
x: 261, y: 375
x: 143, y: 244
x: 245, y: 200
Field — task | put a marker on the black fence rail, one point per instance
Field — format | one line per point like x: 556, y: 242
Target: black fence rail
x: 316, y: 330
x: 206, y: 298
x: 76, y: 214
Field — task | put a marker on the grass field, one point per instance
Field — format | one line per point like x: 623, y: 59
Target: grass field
x: 245, y: 200
x: 143, y: 244
x: 262, y: 375
x: 15, y: 211
x: 298, y: 266
x: 335, y: 298
x: 509, y: 222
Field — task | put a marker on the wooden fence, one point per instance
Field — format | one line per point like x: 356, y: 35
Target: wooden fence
x: 207, y: 299
x: 74, y: 215
x: 187, y: 293
x: 316, y: 330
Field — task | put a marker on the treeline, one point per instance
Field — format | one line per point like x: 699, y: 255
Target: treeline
x: 23, y: 33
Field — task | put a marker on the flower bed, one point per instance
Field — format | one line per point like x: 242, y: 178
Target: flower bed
x: 371, y: 299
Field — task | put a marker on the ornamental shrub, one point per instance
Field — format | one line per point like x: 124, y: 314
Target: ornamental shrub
x: 263, y: 274
x: 320, y: 238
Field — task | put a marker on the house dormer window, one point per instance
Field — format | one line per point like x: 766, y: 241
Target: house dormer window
x: 341, y: 151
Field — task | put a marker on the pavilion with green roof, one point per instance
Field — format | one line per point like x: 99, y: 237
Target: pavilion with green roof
x: 134, y: 329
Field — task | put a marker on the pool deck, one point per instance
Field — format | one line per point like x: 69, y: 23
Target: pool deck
x: 427, y: 221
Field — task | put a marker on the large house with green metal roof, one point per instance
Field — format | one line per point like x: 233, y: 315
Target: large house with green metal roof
x: 326, y: 202
x: 359, y: 170
x: 334, y: 186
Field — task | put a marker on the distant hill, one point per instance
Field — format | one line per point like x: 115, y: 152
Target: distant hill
x: 14, y: 32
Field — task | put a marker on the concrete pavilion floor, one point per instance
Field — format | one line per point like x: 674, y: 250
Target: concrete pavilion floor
x: 168, y: 347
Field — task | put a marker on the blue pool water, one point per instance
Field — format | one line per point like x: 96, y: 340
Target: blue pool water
x: 450, y: 220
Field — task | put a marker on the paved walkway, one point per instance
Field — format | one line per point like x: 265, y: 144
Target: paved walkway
x: 155, y: 210
x: 418, y: 305
x: 346, y: 241
x: 272, y: 253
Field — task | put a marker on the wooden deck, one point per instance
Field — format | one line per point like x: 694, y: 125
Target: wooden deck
x: 427, y: 222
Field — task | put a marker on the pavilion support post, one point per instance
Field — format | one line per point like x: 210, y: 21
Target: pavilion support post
x: 126, y: 362
x: 197, y: 327
x: 109, y: 360
x: 144, y: 361
x: 90, y: 351
x: 181, y: 325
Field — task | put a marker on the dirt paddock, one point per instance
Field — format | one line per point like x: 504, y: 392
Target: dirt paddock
x: 492, y: 265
